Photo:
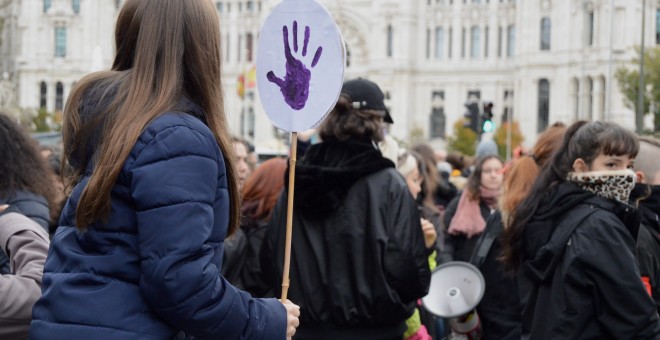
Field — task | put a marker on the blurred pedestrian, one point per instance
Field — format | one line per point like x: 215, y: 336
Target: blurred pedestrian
x: 241, y: 263
x: 466, y: 215
x: 359, y: 261
x: 25, y: 180
x: 26, y: 242
x: 647, y: 195
x: 139, y: 247
x: 242, y: 161
x: 572, y: 241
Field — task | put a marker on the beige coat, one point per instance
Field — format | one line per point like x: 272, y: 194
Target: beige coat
x: 26, y: 243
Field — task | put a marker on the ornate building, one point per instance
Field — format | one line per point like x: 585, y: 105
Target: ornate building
x: 538, y: 61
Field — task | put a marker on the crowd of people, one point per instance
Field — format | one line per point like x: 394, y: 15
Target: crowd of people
x: 152, y: 222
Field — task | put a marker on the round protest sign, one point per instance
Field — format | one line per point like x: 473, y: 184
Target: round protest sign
x: 300, y: 64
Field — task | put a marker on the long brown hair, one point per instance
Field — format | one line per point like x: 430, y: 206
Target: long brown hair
x: 166, y: 49
x: 263, y: 187
x: 521, y: 174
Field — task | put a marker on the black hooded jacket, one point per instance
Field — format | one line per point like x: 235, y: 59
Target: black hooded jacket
x: 648, y: 241
x: 359, y: 260
x: 579, y: 278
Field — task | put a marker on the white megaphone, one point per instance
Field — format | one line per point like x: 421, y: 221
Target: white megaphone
x: 455, y: 291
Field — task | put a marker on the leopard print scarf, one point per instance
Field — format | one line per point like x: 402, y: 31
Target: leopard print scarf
x: 615, y: 185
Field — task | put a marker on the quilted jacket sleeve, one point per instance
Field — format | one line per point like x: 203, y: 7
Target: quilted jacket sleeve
x: 174, y: 181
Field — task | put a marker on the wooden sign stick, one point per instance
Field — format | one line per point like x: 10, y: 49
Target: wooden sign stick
x: 289, y: 216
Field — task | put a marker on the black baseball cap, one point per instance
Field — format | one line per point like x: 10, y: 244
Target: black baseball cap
x: 366, y: 95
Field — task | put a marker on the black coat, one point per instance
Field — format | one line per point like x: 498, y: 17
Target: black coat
x: 359, y: 261
x: 459, y: 247
x: 579, y: 278
x: 499, y: 309
x: 648, y: 242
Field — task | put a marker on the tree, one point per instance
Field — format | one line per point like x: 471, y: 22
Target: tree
x: 464, y: 139
x: 40, y: 121
x: 628, y: 79
x: 500, y: 138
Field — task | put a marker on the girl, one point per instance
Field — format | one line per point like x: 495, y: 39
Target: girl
x: 466, y: 215
x: 140, y: 242
x: 572, y: 239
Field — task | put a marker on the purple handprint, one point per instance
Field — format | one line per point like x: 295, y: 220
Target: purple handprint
x: 295, y: 86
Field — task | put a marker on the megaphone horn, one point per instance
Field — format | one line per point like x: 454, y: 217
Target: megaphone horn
x: 455, y: 291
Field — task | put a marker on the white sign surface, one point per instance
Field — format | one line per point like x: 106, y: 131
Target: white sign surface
x: 300, y: 64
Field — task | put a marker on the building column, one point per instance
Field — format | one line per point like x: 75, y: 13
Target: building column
x: 597, y: 99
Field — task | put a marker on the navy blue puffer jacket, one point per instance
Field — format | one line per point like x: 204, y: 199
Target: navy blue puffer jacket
x: 153, y: 268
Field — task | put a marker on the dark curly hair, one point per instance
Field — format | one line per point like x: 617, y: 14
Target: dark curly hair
x: 22, y: 166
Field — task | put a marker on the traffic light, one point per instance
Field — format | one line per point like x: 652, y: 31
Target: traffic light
x: 472, y: 116
x: 488, y: 125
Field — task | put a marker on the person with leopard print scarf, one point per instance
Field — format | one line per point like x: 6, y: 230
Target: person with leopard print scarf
x: 571, y: 242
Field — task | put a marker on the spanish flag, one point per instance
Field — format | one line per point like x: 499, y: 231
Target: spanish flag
x: 246, y: 80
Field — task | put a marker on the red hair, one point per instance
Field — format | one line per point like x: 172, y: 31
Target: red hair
x: 263, y: 187
x: 522, y: 173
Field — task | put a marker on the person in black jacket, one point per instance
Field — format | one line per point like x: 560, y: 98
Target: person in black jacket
x: 572, y: 241
x: 25, y: 180
x: 359, y: 261
x: 466, y: 215
x: 648, y: 189
x: 499, y: 310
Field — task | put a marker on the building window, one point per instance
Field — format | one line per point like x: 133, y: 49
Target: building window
x: 590, y: 99
x: 219, y: 5
x: 60, y: 42
x: 499, y: 42
x: 240, y: 7
x: 475, y: 42
x: 390, y: 37
x: 248, y: 42
x: 439, y: 42
x: 228, y: 7
x: 249, y: 6
x: 508, y: 106
x: 75, y: 4
x: 239, y: 50
x: 348, y: 56
x: 43, y: 95
x: 657, y: 26
x: 227, y: 47
x: 486, y: 42
x: 545, y: 34
x: 463, y: 43
x: 511, y: 41
x: 59, y: 96
x: 437, y: 119
x: 47, y: 4
x: 589, y: 34
x: 450, y: 42
x: 544, y: 105
x: 428, y: 43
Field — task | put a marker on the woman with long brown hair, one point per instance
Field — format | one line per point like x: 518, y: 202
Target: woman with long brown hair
x: 466, y: 214
x: 140, y: 241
